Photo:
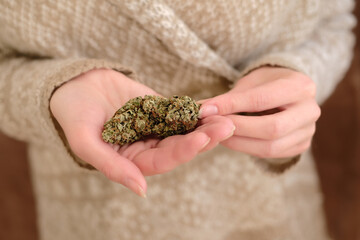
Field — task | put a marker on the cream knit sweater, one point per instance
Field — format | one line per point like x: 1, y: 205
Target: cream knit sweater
x: 197, y: 48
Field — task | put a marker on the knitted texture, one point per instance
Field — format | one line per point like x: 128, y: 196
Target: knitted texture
x: 187, y: 47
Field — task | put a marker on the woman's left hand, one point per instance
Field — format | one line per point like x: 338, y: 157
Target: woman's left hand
x: 288, y: 95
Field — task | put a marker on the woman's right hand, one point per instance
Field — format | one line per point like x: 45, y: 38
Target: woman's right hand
x: 85, y: 103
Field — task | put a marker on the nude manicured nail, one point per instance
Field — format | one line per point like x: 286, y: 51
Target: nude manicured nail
x: 135, y: 187
x: 208, y: 111
x: 205, y: 144
x: 231, y: 133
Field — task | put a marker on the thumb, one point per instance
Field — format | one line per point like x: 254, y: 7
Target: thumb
x: 223, y: 104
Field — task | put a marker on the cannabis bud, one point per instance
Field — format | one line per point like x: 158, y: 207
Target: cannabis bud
x: 151, y: 116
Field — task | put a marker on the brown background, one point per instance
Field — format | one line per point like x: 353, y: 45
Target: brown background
x: 337, y: 151
x: 336, y: 148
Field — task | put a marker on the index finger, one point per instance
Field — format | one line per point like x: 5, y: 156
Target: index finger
x: 179, y: 149
x: 271, y: 95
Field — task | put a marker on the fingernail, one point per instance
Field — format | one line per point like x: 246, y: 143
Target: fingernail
x: 142, y: 192
x: 205, y: 144
x: 231, y: 133
x: 208, y: 111
x: 135, y: 187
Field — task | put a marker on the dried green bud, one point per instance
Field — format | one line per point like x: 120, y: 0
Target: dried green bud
x: 151, y: 116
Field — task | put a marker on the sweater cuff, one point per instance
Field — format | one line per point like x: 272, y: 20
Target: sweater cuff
x: 276, y: 165
x: 293, y: 62
x: 282, y: 60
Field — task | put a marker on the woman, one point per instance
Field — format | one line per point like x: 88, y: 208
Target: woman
x: 68, y: 65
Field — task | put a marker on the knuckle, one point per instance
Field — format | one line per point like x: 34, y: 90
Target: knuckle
x: 276, y: 129
x: 226, y: 104
x: 309, y: 87
x: 106, y: 170
x: 312, y: 130
x: 269, y: 150
x: 313, y: 110
x: 317, y: 112
x: 231, y: 107
x: 231, y: 144
x: 257, y: 102
x: 229, y: 103
x: 305, y: 146
x: 109, y: 173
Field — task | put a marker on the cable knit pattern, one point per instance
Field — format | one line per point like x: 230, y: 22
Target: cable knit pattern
x: 197, y: 48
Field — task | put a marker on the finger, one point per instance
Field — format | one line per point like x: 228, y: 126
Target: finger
x: 271, y: 149
x: 130, y: 151
x: 298, y: 148
x: 278, y: 125
x: 271, y: 95
x: 88, y: 145
x: 218, y: 128
x: 174, y: 151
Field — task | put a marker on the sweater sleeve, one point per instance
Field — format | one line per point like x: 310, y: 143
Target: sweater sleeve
x: 26, y: 86
x: 325, y: 55
x: 42, y: 46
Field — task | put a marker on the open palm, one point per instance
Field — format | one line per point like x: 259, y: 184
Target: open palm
x: 84, y: 104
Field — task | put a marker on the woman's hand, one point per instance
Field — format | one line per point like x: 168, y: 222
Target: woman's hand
x: 288, y: 95
x: 84, y: 104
